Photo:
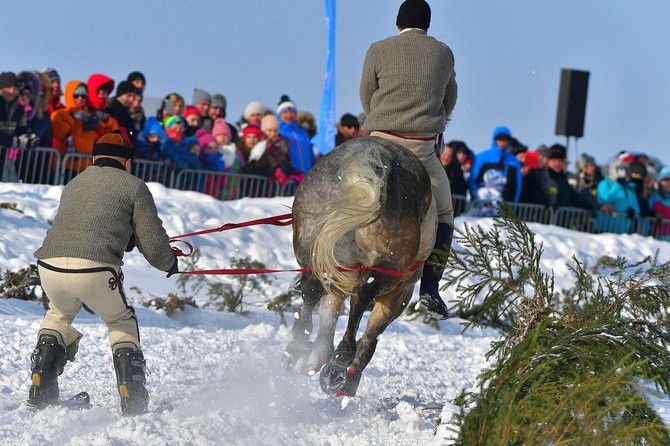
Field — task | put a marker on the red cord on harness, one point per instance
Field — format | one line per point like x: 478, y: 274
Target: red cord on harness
x: 278, y: 220
x: 237, y: 271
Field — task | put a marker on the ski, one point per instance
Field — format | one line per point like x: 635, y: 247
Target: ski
x: 82, y: 400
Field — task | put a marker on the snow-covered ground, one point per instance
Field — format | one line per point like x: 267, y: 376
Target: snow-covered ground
x: 223, y: 372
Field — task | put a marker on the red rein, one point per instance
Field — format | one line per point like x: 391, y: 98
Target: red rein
x: 278, y: 220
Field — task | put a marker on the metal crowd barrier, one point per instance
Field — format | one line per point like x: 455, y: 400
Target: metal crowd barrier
x: 574, y: 218
x: 231, y: 186
x: 40, y: 165
x: 153, y: 171
x: 532, y: 213
x: 43, y: 165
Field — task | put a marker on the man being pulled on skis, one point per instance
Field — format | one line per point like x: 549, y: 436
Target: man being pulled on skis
x: 103, y: 212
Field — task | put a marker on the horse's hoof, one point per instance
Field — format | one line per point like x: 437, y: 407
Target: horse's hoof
x: 296, y: 356
x: 350, y: 387
x: 336, y: 379
x: 333, y: 377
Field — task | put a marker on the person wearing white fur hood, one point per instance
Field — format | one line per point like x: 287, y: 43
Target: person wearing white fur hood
x: 271, y: 157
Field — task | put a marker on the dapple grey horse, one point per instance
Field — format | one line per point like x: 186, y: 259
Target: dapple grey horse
x: 364, y: 220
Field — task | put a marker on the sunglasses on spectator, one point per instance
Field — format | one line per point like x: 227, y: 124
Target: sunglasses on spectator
x: 77, y: 96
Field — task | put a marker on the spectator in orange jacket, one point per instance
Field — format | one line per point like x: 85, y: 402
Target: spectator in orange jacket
x: 78, y: 126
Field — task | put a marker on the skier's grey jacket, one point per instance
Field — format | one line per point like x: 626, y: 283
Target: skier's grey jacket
x: 103, y: 212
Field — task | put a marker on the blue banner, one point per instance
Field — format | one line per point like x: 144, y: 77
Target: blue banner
x: 325, y: 138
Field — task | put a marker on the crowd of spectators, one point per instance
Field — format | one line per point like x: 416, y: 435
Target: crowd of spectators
x: 276, y: 143
x: 272, y: 142
x: 631, y: 186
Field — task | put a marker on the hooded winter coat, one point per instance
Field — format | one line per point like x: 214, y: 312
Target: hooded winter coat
x: 500, y: 159
x: 84, y: 125
x: 619, y: 193
x: 95, y: 82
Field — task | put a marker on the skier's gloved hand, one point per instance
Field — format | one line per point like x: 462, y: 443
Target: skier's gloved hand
x: 174, y: 269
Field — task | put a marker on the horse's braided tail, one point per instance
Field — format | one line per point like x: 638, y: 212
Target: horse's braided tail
x: 358, y: 204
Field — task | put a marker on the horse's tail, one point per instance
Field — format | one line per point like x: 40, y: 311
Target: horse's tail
x: 358, y: 204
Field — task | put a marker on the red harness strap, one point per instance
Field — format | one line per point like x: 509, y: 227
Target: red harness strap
x: 239, y: 271
x: 278, y: 220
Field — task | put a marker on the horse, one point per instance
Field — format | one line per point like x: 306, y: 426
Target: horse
x: 364, y: 221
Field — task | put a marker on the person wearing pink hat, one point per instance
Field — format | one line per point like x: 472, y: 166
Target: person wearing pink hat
x: 222, y: 134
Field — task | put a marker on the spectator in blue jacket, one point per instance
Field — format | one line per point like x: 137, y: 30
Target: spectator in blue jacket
x: 150, y: 139
x: 499, y: 158
x: 183, y: 151
x: 302, y: 153
x: 617, y: 194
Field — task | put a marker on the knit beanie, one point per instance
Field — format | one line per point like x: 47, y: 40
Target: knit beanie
x: 220, y: 127
x: 349, y: 120
x: 126, y: 87
x: 51, y: 73
x: 269, y: 121
x: 517, y: 147
x: 664, y: 174
x: 8, y: 79
x: 542, y: 150
x: 252, y: 108
x: 252, y: 130
x: 114, y: 144
x: 200, y: 95
x: 557, y: 151
x: 190, y: 110
x: 171, y: 120
x: 219, y: 101
x: 204, y: 138
x: 285, y: 103
x: 413, y: 14
x: 136, y: 75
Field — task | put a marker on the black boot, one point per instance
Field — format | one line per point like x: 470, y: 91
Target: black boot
x: 429, y: 290
x: 130, y: 378
x: 48, y: 360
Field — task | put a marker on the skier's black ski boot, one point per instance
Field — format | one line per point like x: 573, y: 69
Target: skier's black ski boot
x: 429, y: 289
x: 48, y: 360
x: 130, y: 378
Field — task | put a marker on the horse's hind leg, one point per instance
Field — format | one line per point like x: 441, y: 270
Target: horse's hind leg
x: 336, y: 376
x: 329, y: 312
x: 300, y: 348
x: 383, y: 313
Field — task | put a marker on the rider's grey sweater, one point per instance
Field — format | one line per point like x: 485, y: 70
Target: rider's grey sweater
x: 408, y: 84
x: 100, y: 211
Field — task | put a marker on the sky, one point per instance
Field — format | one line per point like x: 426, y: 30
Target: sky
x: 223, y: 372
x: 509, y: 56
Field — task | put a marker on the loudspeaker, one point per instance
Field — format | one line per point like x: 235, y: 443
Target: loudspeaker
x: 572, y: 103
